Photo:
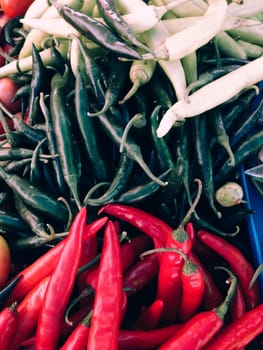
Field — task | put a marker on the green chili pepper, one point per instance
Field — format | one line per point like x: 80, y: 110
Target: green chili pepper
x: 69, y: 158
x: 11, y: 222
x: 96, y: 31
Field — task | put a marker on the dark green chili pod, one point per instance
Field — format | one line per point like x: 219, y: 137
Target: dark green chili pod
x: 96, y: 31
x: 15, y: 153
x: 119, y: 182
x: 11, y: 222
x: 66, y: 144
x: 88, y: 131
x: 6, y: 291
x: 204, y: 158
x: 36, y: 198
x: 33, y: 220
x: 113, y: 19
x: 115, y: 131
x: 17, y: 166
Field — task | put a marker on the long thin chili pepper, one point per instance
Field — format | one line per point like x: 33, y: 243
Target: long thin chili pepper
x: 28, y: 313
x: 60, y: 286
x: 11, y: 221
x: 149, y: 317
x: 45, y: 264
x: 8, y: 321
x: 145, y: 340
x: 96, y: 31
x: 52, y: 146
x: 5, y: 292
x: 112, y: 17
x: 239, y: 333
x: 238, y: 263
x: 35, y: 84
x: 142, y: 220
x: 69, y: 158
x: 87, y: 130
x: 238, y: 307
x: 202, y: 327
x: 105, y: 322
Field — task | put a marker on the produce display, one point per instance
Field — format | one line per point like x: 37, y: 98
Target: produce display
x: 127, y: 128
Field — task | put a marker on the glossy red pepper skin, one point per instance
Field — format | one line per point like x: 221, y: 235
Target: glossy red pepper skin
x: 8, y: 321
x: 143, y: 221
x: 45, y: 264
x: 239, y: 333
x: 106, y: 314
x: 240, y: 266
x: 78, y: 338
x: 60, y: 286
x: 145, y: 340
x: 170, y: 274
x: 141, y: 274
x: 212, y: 295
x: 193, y: 288
x: 149, y: 317
x: 238, y: 306
x: 130, y: 252
x: 28, y: 313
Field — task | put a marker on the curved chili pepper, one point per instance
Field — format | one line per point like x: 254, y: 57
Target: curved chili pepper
x: 238, y: 263
x: 28, y: 313
x: 96, y: 31
x: 105, y: 321
x: 196, y: 332
x: 141, y: 274
x: 45, y: 264
x: 146, y: 222
x: 239, y: 333
x: 149, y: 317
x: 145, y: 340
x: 5, y: 292
x: 8, y: 321
x: 52, y: 312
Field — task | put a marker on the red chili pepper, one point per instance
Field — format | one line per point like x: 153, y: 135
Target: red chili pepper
x: 193, y: 288
x: 146, y: 222
x: 45, y: 264
x: 130, y: 252
x: 189, y: 228
x: 201, y: 328
x: 239, y: 333
x: 212, y: 295
x: 170, y: 273
x: 106, y: 315
x: 141, y: 274
x: 28, y: 313
x: 145, y: 340
x: 238, y: 307
x: 150, y: 316
x: 60, y: 286
x: 78, y: 339
x: 8, y: 321
x: 238, y: 263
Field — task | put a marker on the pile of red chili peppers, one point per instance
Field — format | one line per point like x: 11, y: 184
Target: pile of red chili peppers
x: 129, y: 281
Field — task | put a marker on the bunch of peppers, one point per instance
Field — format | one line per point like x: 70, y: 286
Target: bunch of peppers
x: 128, y: 280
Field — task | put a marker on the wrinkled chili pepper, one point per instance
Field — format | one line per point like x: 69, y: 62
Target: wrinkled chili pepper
x: 106, y: 314
x: 238, y: 263
x: 63, y: 277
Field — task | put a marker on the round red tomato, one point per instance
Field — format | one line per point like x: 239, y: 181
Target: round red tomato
x: 13, y: 8
x: 7, y: 91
